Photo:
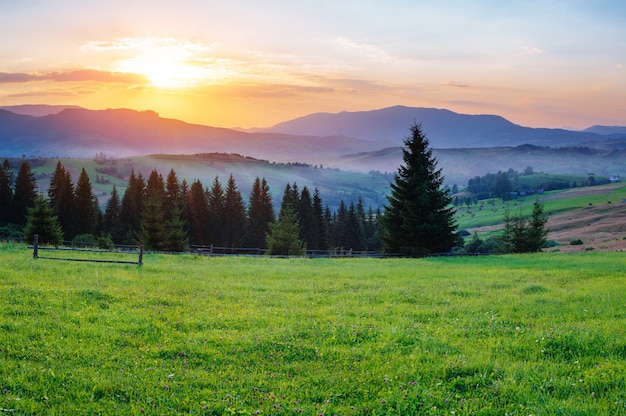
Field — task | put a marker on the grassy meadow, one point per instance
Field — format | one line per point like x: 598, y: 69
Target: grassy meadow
x: 537, y: 334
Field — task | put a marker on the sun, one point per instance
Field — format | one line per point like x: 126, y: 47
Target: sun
x: 166, y: 66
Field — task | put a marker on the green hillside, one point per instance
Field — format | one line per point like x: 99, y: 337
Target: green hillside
x: 334, y: 185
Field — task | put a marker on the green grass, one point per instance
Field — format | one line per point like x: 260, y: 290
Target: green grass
x: 541, y: 334
x: 553, y: 202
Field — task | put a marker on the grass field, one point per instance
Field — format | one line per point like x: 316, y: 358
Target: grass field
x: 531, y: 334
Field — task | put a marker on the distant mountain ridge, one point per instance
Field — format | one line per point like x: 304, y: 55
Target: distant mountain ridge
x: 444, y: 128
x: 361, y: 141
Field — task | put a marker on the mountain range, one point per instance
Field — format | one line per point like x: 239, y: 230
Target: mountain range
x: 362, y: 141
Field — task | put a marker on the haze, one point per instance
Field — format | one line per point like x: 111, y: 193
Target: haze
x: 253, y: 64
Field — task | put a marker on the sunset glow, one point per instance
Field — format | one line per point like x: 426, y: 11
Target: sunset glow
x: 247, y: 64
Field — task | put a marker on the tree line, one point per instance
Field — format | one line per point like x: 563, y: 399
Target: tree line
x: 167, y: 214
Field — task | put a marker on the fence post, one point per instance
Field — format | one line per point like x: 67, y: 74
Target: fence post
x: 36, y: 247
x: 140, y: 261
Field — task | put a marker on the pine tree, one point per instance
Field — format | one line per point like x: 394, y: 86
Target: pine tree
x: 319, y: 223
x: 284, y: 236
x: 6, y: 192
x: 418, y: 219
x: 173, y: 197
x: 522, y: 235
x: 234, y: 215
x: 152, y: 229
x: 25, y: 193
x: 198, y: 214
x: 86, y: 207
x: 175, y: 228
x: 42, y: 221
x: 304, y: 209
x: 260, y: 213
x: 111, y: 218
x: 537, y: 231
x: 131, y: 207
x: 61, y: 195
x: 217, y: 202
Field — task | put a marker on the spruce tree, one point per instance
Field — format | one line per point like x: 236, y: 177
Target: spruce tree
x: 319, y: 222
x: 537, y: 231
x: 304, y: 209
x: 284, y: 236
x: 111, y: 218
x: 86, y: 207
x: 260, y: 213
x: 234, y: 215
x: 42, y: 221
x: 25, y: 193
x: 61, y: 195
x: 175, y: 228
x: 418, y: 219
x: 198, y: 214
x: 217, y: 207
x: 6, y: 192
x: 152, y: 227
x: 131, y: 207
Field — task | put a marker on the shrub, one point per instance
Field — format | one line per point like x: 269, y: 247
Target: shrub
x: 577, y: 242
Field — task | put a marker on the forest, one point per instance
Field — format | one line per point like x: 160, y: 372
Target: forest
x: 167, y: 214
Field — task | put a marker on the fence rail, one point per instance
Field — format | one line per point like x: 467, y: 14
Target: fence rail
x: 36, y: 248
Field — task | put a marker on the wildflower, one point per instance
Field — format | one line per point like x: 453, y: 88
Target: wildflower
x: 382, y: 401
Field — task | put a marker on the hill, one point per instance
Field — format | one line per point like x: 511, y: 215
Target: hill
x: 444, y: 128
x: 334, y: 185
x: 459, y: 165
x: 78, y: 132
x: 595, y: 215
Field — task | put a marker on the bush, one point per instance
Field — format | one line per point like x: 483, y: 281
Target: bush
x: 577, y: 242
x: 83, y: 240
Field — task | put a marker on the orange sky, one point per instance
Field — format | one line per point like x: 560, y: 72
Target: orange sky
x: 253, y: 64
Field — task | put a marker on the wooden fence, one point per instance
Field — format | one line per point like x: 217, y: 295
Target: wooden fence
x: 36, y: 248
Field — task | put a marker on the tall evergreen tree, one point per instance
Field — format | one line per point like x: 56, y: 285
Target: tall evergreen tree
x: 523, y: 235
x: 260, y: 213
x: 61, y: 195
x: 86, y: 207
x: 111, y: 218
x: 131, y: 207
x: 234, y: 215
x: 42, y: 221
x: 418, y: 219
x: 304, y: 209
x: 537, y: 231
x: 152, y: 227
x: 25, y: 193
x: 319, y: 223
x: 6, y: 192
x: 173, y: 197
x: 176, y: 230
x: 353, y: 236
x: 198, y: 214
x: 217, y: 207
x: 284, y: 236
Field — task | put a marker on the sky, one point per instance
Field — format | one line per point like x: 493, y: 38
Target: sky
x: 249, y: 63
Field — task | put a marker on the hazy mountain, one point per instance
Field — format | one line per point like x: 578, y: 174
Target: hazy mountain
x: 444, y: 128
x: 83, y: 133
x: 606, y: 130
x: 36, y: 110
x: 459, y: 165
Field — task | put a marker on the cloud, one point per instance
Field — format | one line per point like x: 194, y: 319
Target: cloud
x: 79, y: 75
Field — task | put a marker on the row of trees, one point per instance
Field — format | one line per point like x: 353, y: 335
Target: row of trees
x: 168, y: 215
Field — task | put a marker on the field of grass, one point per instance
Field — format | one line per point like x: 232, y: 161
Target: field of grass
x: 554, y: 202
x: 541, y: 334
